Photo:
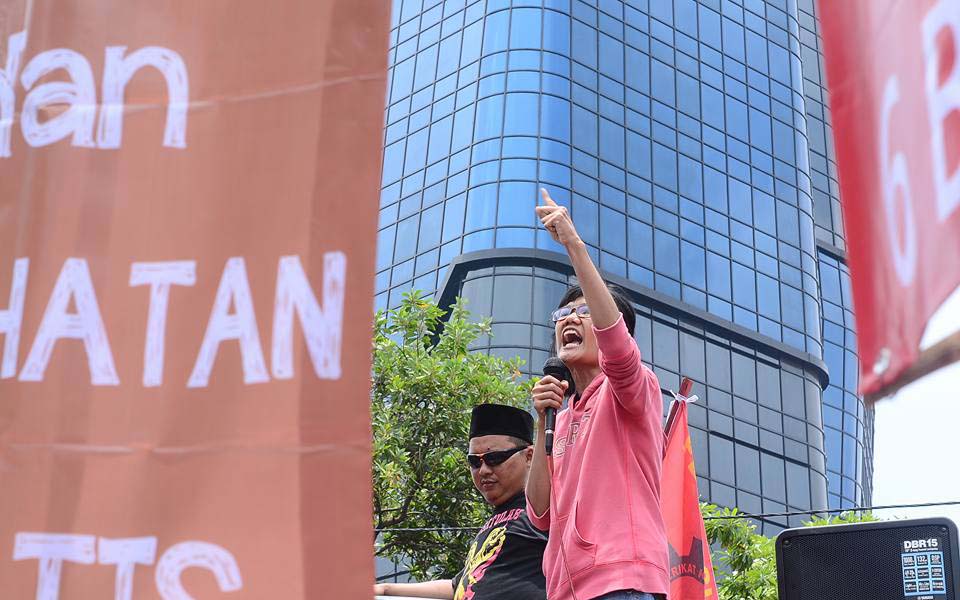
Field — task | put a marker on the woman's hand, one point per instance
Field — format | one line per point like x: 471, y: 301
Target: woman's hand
x: 548, y: 393
x: 557, y: 220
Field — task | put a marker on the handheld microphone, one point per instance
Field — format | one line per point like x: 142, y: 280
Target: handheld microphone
x: 555, y: 368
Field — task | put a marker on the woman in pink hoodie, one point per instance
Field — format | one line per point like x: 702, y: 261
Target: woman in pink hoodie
x: 599, y: 494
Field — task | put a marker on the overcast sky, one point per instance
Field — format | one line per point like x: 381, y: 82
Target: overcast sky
x: 917, y: 438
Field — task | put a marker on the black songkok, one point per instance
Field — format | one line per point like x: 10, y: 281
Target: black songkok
x: 499, y: 419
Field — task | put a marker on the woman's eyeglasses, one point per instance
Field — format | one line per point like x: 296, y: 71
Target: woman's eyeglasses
x: 583, y: 311
x: 493, y: 458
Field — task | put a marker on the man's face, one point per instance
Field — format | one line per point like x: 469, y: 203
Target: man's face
x: 504, y: 481
x: 576, y: 342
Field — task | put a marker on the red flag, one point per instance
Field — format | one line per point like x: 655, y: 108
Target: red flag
x: 691, y: 570
x: 895, y: 102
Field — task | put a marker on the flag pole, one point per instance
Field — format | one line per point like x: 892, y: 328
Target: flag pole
x: 686, y: 386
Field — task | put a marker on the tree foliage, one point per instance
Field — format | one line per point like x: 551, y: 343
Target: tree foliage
x: 746, y: 564
x: 425, y: 382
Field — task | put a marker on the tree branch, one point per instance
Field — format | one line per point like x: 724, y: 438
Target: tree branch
x: 405, y: 507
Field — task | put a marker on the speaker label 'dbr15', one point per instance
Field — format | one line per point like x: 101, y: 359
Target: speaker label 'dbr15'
x: 913, y: 559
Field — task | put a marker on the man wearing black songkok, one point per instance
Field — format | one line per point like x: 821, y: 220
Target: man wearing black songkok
x: 505, y: 559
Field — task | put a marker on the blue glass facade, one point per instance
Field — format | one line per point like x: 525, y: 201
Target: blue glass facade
x: 848, y: 424
x: 677, y: 134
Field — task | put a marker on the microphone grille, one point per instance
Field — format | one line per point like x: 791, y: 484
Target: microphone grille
x: 553, y: 363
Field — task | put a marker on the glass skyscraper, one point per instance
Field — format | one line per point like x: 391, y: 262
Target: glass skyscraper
x: 691, y: 141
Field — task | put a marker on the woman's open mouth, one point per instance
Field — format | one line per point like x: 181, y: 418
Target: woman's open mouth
x: 571, y: 338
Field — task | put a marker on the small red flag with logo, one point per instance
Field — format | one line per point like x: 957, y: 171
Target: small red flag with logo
x: 691, y: 570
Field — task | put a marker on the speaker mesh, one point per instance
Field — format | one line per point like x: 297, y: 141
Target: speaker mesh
x: 855, y: 564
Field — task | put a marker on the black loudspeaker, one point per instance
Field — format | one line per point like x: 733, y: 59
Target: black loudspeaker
x: 914, y: 559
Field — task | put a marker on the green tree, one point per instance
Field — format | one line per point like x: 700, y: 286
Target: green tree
x: 746, y: 564
x: 425, y: 382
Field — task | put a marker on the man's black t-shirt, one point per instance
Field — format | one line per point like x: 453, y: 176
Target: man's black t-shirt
x: 505, y: 559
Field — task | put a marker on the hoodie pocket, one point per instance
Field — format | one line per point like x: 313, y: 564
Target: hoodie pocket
x: 581, y: 553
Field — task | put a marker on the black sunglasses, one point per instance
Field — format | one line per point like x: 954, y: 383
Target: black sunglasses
x: 583, y: 311
x: 493, y: 458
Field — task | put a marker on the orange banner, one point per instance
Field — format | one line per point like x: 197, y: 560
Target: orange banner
x: 188, y: 198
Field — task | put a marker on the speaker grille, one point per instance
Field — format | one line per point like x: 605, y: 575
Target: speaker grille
x: 856, y: 564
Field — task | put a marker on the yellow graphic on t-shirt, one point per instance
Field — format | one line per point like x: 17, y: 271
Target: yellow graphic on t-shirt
x: 478, y: 560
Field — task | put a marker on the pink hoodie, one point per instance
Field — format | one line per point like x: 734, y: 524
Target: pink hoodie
x: 606, y: 530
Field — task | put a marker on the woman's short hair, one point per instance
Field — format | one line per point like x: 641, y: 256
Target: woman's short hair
x: 620, y: 298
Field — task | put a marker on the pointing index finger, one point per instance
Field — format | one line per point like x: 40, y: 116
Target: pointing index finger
x: 546, y: 197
